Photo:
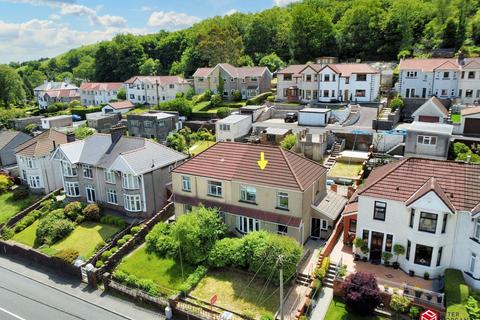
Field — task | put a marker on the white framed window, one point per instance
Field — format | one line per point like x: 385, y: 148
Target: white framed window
x: 246, y: 224
x: 248, y: 193
x: 34, y: 181
x: 112, y: 196
x: 282, y: 200
x: 72, y: 189
x: 186, y: 184
x: 87, y: 171
x: 323, y: 225
x: 69, y: 170
x: 471, y: 265
x: 215, y: 188
x: 428, y: 140
x: 110, y: 177
x: 91, y: 196
x: 29, y: 162
x: 133, y: 202
x: 224, y: 127
x: 477, y: 229
x: 130, y: 181
x: 187, y: 208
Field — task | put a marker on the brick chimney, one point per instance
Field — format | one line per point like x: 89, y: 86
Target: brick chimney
x: 116, y: 132
x: 70, y: 137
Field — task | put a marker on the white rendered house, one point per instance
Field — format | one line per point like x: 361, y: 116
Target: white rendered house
x: 151, y: 90
x: 431, y: 208
x: 96, y: 93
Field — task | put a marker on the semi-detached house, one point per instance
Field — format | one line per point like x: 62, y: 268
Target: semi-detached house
x: 97, y: 93
x: 126, y: 174
x: 430, y: 207
x: 444, y: 78
x: 152, y: 90
x: 287, y: 197
x: 355, y: 82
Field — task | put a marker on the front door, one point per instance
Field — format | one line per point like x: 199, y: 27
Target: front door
x: 315, y: 229
x: 424, y: 92
x: 346, y: 96
x: 376, y: 245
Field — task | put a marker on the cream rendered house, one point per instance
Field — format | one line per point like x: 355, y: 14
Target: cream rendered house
x: 287, y: 197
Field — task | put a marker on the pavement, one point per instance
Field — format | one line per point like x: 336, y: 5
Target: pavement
x: 324, y: 299
x: 27, y: 293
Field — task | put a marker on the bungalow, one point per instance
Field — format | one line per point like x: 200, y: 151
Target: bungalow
x: 119, y: 106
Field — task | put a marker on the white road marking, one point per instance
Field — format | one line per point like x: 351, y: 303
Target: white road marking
x: 12, y: 314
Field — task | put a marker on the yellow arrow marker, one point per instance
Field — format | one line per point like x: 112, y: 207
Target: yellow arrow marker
x: 262, y: 163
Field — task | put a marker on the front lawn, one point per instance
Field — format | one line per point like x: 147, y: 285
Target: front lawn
x: 345, y: 170
x: 456, y: 293
x: 85, y: 238
x: 235, y: 293
x: 200, y: 106
x: 456, y: 118
x: 27, y: 236
x: 167, y: 273
x: 10, y: 207
x: 200, y: 146
x: 337, y: 310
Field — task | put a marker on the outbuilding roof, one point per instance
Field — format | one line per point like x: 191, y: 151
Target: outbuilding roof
x: 238, y: 162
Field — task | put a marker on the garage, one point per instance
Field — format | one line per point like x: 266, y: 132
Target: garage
x: 313, y: 117
x: 431, y: 119
x: 472, y: 127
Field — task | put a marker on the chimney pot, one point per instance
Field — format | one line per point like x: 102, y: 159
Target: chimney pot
x: 70, y: 137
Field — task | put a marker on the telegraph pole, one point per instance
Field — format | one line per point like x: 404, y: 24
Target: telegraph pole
x: 281, y: 286
x: 158, y: 96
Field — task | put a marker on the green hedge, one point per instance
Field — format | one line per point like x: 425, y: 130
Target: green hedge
x: 257, y: 100
x: 456, y: 293
x: 82, y: 111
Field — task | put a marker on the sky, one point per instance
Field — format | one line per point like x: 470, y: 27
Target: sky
x: 32, y: 29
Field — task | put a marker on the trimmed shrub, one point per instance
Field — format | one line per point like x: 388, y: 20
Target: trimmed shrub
x: 80, y: 218
x: 271, y: 98
x: 223, y: 112
x: 322, y: 271
x: 257, y: 100
x: 72, y: 210
x: 266, y: 316
x: 396, y: 103
x: 82, y: 111
x: 237, y: 95
x: 146, y: 285
x: 399, y: 304
x: 361, y: 293
x: 215, y: 100
x: 194, y: 278
x: 99, y: 264
x: 20, y: 193
x: 105, y: 255
x: 113, y: 250
x: 92, y: 212
x: 54, y: 228
x: 67, y: 255
x: 7, y: 233
x: 227, y: 252
x: 113, y: 220
x: 99, y: 246
x: 134, y: 230
x: 28, y: 220
x: 121, y: 242
x: 5, y: 183
x: 127, y: 237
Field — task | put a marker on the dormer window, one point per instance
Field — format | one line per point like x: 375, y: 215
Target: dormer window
x: 130, y: 181
x: 428, y: 222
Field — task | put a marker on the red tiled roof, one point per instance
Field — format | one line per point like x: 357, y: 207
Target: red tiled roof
x: 431, y: 185
x: 425, y: 65
x: 41, y: 145
x: 238, y: 161
x: 242, y: 211
x: 102, y: 86
x: 125, y: 104
x: 162, y: 80
x: 460, y: 182
x: 346, y: 69
x: 62, y: 93
x: 202, y: 72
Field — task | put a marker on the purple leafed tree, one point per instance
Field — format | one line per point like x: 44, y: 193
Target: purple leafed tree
x: 361, y: 293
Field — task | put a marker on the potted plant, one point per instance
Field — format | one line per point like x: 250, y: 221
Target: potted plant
x: 365, y: 251
x: 418, y: 292
x: 386, y: 258
x: 398, y: 250
x: 426, y: 276
x: 359, y: 243
x: 406, y: 291
x: 429, y: 296
x: 385, y: 288
x: 439, y: 299
x: 411, y: 273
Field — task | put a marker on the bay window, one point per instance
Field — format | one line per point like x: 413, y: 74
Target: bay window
x: 428, y: 222
x: 423, y: 255
x: 72, y: 189
x: 133, y: 203
x: 34, y: 181
x: 248, y: 194
x: 246, y: 224
x: 69, y: 170
x: 130, y: 181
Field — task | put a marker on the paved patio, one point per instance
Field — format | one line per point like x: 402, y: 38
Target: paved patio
x: 393, y: 278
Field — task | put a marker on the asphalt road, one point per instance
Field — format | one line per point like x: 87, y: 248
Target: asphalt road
x: 24, y: 299
x: 367, y: 115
